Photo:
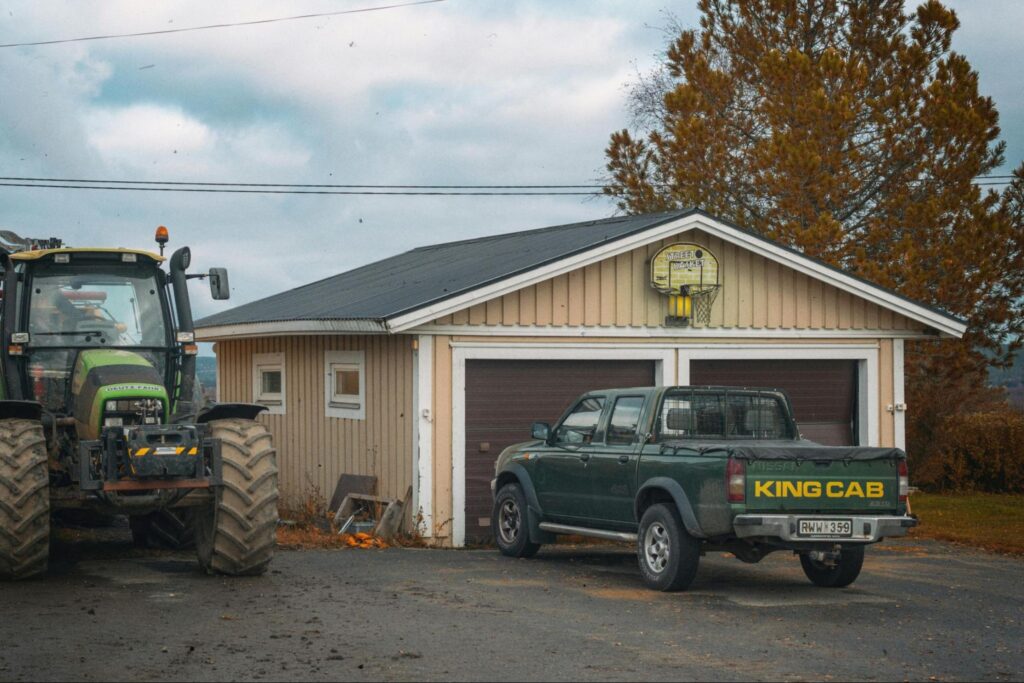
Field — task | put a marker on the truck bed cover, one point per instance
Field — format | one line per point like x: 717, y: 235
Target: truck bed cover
x: 797, y: 450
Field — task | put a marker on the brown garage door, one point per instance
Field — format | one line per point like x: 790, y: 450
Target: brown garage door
x: 504, y: 397
x: 823, y: 392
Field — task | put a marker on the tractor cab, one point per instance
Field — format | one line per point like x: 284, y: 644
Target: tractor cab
x: 94, y: 311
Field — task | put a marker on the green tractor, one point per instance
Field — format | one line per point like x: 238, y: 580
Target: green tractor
x: 100, y: 409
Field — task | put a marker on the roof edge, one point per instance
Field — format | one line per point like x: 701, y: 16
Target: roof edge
x: 280, y: 328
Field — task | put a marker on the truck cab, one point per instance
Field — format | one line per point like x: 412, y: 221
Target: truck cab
x: 680, y: 470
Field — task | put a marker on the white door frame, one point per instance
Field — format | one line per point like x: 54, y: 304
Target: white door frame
x: 664, y: 358
x: 866, y: 356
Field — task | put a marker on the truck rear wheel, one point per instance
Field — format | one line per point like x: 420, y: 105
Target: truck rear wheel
x: 24, y: 500
x: 668, y: 556
x: 843, y: 573
x: 172, y: 529
x: 236, y: 534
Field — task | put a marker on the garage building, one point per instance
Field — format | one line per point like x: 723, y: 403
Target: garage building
x: 419, y: 369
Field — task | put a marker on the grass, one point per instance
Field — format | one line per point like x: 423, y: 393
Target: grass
x: 985, y: 520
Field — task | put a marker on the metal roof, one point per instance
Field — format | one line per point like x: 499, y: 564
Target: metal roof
x: 401, y: 284
x: 427, y: 275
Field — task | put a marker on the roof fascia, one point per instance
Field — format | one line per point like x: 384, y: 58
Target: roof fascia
x: 290, y: 327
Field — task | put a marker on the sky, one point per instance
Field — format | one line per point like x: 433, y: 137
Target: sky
x: 457, y: 92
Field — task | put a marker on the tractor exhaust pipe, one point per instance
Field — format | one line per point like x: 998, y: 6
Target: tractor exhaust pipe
x: 183, y: 404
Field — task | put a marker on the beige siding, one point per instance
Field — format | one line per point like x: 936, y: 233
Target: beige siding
x: 314, y: 450
x: 756, y: 293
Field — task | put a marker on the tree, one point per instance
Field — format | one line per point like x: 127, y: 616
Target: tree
x: 849, y: 130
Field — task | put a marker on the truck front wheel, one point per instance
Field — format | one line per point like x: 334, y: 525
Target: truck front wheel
x: 668, y: 556
x: 509, y: 523
x: 24, y: 500
x: 843, y: 573
x: 235, y: 535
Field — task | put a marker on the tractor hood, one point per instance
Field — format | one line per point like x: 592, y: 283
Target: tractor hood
x: 102, y: 375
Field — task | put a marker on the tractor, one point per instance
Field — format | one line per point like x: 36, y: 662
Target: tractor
x: 100, y: 409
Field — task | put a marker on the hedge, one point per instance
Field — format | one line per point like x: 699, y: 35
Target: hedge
x: 981, y: 451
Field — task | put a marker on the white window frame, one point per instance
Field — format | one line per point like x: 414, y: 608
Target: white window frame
x: 345, y: 409
x: 261, y: 362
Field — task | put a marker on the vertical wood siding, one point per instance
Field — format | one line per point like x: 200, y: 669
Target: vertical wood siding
x: 314, y: 450
x: 756, y: 293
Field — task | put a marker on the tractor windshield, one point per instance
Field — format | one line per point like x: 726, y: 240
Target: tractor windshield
x: 81, y: 309
x: 73, y: 309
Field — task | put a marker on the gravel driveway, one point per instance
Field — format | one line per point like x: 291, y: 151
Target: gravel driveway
x: 920, y: 610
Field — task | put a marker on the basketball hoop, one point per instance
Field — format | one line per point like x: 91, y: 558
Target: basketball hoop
x: 688, y: 275
x: 703, y: 301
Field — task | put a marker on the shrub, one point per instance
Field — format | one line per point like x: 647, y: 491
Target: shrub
x: 982, y: 451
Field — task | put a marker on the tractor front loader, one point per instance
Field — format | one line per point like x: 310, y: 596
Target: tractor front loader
x: 99, y: 408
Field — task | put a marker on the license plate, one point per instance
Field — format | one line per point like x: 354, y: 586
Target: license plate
x: 825, y: 528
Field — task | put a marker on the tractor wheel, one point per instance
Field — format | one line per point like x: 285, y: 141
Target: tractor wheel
x: 235, y: 535
x: 173, y: 529
x: 24, y: 500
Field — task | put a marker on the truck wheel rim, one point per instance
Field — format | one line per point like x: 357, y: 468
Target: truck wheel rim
x: 656, y: 547
x: 508, y: 522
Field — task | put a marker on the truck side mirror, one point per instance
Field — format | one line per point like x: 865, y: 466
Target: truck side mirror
x: 541, y: 430
x: 219, y: 288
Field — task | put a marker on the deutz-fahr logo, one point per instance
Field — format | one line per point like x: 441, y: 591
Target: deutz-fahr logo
x: 816, y: 489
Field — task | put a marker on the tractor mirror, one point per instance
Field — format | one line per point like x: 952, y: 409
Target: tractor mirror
x: 219, y: 288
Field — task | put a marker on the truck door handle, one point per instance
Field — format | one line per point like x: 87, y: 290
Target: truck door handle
x: 623, y: 459
x: 585, y: 457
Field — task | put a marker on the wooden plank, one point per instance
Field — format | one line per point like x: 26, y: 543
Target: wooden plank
x: 608, y: 294
x: 510, y: 309
x: 545, y: 310
x: 592, y: 295
x: 560, y: 300
x: 623, y: 289
x: 528, y: 306
x: 577, y: 297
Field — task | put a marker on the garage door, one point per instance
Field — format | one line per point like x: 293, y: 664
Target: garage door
x: 823, y: 392
x: 503, y: 398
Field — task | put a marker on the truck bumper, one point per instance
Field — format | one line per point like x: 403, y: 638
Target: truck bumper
x: 866, y: 529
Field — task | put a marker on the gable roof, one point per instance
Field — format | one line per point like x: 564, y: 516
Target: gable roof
x: 418, y: 286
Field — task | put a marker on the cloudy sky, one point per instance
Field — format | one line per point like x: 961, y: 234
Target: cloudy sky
x: 458, y: 92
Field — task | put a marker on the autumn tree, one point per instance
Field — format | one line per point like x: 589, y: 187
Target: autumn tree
x: 850, y: 130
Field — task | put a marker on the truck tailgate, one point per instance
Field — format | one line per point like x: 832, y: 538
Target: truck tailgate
x: 826, y: 486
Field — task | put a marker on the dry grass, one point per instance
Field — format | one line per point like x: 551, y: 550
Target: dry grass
x: 985, y: 520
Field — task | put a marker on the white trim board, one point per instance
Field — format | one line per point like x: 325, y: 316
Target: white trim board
x: 290, y: 327
x: 866, y: 355
x: 899, y: 414
x: 677, y: 333
x: 945, y: 324
x: 665, y: 373
x: 423, y: 398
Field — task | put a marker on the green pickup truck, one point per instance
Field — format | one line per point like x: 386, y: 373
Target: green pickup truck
x: 682, y: 470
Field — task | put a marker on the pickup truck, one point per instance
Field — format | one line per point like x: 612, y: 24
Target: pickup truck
x: 682, y: 470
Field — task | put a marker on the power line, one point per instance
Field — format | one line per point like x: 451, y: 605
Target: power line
x: 301, y: 185
x: 225, y: 25
x: 223, y: 190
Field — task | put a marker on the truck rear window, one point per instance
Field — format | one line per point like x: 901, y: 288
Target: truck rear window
x: 726, y: 415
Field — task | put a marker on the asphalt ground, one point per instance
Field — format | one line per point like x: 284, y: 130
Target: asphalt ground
x: 920, y: 611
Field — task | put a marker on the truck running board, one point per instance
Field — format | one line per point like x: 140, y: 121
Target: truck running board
x: 583, y: 531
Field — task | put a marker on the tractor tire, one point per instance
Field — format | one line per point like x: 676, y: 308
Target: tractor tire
x: 173, y: 529
x: 24, y: 500
x: 236, y: 534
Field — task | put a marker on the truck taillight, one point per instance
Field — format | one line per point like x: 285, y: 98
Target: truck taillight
x: 904, y: 473
x: 736, y: 480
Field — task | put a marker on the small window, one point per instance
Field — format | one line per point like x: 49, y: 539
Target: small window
x: 268, y: 382
x: 580, y: 425
x: 625, y: 420
x: 345, y: 384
